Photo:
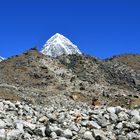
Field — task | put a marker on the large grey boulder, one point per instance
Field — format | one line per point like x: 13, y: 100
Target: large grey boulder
x: 88, y: 136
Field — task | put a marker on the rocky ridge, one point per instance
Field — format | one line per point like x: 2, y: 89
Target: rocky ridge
x: 69, y: 97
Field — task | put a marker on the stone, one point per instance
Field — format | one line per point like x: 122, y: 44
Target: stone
x: 10, y: 104
x: 13, y: 134
x: 98, y: 138
x: 1, y: 106
x: 48, y: 130
x: 113, y: 117
x: 99, y: 134
x: 19, y: 126
x: 43, y: 119
x: 62, y: 138
x: 106, y: 116
x: 132, y: 135
x: 120, y: 137
x: 2, y: 124
x: 119, y: 125
x: 84, y: 123
x: 123, y: 116
x: 57, y: 130
x: 73, y: 127
x: 2, y: 134
x: 29, y: 125
x: 111, y: 135
x: 102, y: 121
x: 118, y: 109
x: 136, y: 115
x: 111, y: 110
x: 88, y: 136
x: 53, y: 135
x: 27, y: 136
x: 132, y: 125
x: 82, y: 130
x: 68, y: 134
x: 81, y: 122
x: 93, y: 124
x: 40, y: 131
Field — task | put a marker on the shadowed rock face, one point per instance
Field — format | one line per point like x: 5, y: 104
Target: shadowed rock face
x: 35, y: 76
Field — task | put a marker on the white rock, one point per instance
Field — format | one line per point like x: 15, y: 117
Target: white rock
x: 19, y: 126
x: 27, y: 136
x: 2, y: 134
x: 40, y: 131
x: 119, y: 109
x: 13, y: 134
x: 93, y: 124
x: 119, y: 125
x: 82, y: 130
x: 29, y: 125
x: 73, y: 127
x: 84, y: 123
x: 53, y: 135
x: 2, y: 124
x: 100, y: 133
x: 68, y: 133
x: 1, y: 106
x: 56, y: 129
x: 132, y: 135
x: 11, y: 105
x: 113, y: 117
x: 62, y: 138
x: 88, y: 136
x: 43, y: 119
x: 123, y: 116
x: 136, y: 115
x: 111, y: 110
x: 120, y: 137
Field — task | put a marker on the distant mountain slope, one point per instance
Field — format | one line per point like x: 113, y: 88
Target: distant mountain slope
x: 39, y: 76
x: 132, y: 60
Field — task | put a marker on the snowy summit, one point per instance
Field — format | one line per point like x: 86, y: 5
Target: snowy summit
x: 1, y: 58
x: 58, y: 45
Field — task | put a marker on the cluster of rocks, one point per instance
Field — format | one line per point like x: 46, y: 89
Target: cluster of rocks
x: 19, y: 120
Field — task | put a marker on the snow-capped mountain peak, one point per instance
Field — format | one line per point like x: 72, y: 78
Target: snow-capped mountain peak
x: 1, y: 58
x: 58, y: 45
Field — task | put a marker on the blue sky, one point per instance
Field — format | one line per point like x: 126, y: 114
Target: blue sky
x: 98, y: 27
